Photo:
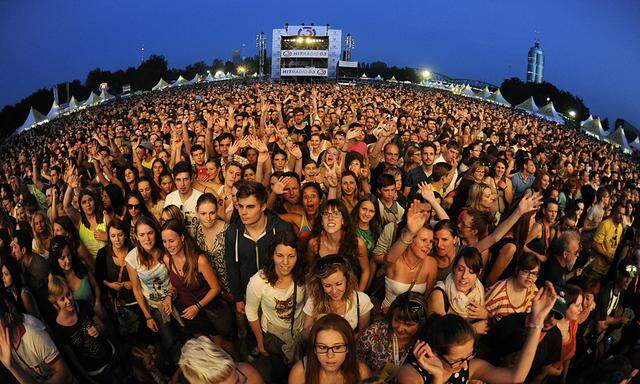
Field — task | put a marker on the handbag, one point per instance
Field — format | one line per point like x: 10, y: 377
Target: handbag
x: 128, y: 321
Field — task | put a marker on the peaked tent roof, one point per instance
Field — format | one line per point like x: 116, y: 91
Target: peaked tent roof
x: 549, y: 112
x: 497, y: 98
x: 219, y: 75
x: 209, y: 77
x: 181, y: 81
x: 160, y: 85
x: 93, y: 99
x: 528, y: 105
x: 594, y: 128
x: 104, y: 95
x: 195, y: 79
x: 73, y: 103
x: 636, y: 144
x: 485, y: 94
x: 618, y: 138
x: 53, y: 111
x: 589, y: 120
x: 393, y: 79
x: 364, y: 76
x: 255, y: 74
x: 33, y: 118
x: 467, y: 91
x: 378, y: 78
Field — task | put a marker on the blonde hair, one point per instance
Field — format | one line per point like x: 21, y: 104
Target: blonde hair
x: 174, y: 212
x: 323, y: 268
x: 203, y: 362
x: 57, y: 287
x: 475, y: 197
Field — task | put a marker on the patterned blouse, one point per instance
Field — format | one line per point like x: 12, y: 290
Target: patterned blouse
x: 498, y: 303
x: 215, y: 254
x: 375, y: 347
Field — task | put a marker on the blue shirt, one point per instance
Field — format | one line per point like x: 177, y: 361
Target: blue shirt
x: 520, y: 184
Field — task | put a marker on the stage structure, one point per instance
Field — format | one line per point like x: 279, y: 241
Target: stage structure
x: 305, y: 51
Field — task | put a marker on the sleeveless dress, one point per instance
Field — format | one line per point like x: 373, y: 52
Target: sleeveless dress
x: 393, y: 289
x: 88, y: 239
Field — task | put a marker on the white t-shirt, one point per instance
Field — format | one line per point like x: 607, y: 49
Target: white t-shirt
x: 154, y: 281
x: 276, y: 303
x: 351, y: 315
x: 36, y: 350
x: 188, y: 207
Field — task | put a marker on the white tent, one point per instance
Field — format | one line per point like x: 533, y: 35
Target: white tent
x: 93, y: 99
x: 618, y: 138
x: 195, y: 79
x: 549, y: 112
x: 74, y: 104
x: 393, y: 79
x: 228, y: 76
x: 528, y: 105
x: 364, y: 77
x: 378, y: 78
x: 34, y: 118
x: 485, y: 94
x: 209, y: 77
x: 594, y: 128
x: 181, y: 81
x: 104, y: 95
x: 160, y: 85
x: 467, y: 91
x: 589, y: 120
x: 54, y: 111
x: 497, y: 98
x: 255, y: 74
x: 636, y: 144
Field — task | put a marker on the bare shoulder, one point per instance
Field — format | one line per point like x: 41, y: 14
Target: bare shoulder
x: 252, y: 374
x: 297, y: 373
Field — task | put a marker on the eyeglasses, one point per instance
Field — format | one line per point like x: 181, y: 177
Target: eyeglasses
x: 458, y: 363
x: 530, y: 273
x: 133, y: 206
x: 331, y: 214
x: 324, y: 349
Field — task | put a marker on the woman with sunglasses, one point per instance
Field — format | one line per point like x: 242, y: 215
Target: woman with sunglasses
x: 334, y: 233
x: 515, y: 294
x: 385, y: 344
x: 331, y: 355
x: 446, y: 350
x: 136, y: 208
x: 275, y: 297
x: 332, y: 288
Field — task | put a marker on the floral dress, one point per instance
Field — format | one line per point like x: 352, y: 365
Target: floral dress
x: 375, y: 347
x: 215, y: 254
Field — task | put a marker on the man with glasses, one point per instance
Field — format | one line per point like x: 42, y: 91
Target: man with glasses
x: 391, y: 157
x: 563, y: 253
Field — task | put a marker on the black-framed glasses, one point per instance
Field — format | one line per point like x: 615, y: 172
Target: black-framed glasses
x: 530, y: 273
x: 458, y: 363
x: 324, y: 349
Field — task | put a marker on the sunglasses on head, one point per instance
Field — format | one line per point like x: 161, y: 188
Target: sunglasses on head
x: 329, y: 261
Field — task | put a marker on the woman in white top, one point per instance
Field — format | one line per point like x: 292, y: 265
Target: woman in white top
x: 278, y: 291
x: 332, y: 288
x: 410, y: 267
x: 150, y: 281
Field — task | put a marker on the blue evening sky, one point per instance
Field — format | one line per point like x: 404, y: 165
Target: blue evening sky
x: 592, y: 47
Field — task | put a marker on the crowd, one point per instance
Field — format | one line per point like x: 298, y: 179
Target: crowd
x: 252, y: 233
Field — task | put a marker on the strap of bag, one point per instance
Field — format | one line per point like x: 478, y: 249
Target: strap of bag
x: 413, y: 282
x: 120, y: 273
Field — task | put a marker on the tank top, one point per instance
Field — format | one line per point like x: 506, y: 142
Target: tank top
x: 541, y: 244
x: 495, y: 252
x: 89, y: 241
x: 393, y: 289
x: 186, y: 295
x: 84, y: 292
x: 305, y: 229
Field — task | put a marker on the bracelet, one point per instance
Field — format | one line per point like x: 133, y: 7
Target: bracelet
x: 407, y: 243
x: 198, y: 306
x: 534, y: 325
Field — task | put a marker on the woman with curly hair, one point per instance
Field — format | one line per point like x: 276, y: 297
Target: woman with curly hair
x: 334, y: 233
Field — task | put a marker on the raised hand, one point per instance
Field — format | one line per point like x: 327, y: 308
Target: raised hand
x: 280, y: 184
x: 543, y: 303
x: 416, y: 216
x: 296, y: 152
x: 331, y: 176
x: 426, y: 191
x: 530, y: 203
x: 5, y: 346
x: 428, y: 360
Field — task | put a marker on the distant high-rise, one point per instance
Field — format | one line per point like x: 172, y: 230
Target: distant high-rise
x: 236, y: 57
x: 535, y: 64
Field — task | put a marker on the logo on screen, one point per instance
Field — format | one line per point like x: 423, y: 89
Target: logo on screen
x: 307, y: 31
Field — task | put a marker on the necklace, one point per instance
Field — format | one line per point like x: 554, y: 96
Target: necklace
x: 404, y: 258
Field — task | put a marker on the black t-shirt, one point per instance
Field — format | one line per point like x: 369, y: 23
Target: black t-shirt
x: 93, y: 353
x: 552, y: 271
x: 508, y: 336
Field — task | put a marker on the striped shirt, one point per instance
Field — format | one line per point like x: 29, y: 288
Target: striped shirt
x: 499, y: 305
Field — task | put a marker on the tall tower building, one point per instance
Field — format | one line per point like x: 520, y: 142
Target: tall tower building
x: 535, y: 64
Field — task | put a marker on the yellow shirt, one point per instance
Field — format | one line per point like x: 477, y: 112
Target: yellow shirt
x: 608, y: 234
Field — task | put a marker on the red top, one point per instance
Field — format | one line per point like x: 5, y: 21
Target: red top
x: 568, y: 348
